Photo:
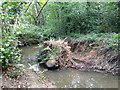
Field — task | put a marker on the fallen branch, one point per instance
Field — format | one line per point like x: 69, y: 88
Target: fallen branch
x: 74, y: 63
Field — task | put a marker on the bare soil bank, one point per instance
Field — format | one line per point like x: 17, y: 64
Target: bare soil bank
x: 29, y: 79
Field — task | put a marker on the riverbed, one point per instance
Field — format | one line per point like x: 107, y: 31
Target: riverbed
x: 68, y: 78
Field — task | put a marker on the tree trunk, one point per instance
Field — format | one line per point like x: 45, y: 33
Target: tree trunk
x: 118, y: 4
x: 38, y: 19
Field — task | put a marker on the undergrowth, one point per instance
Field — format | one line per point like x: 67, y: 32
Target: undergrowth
x: 111, y: 39
x: 45, y: 56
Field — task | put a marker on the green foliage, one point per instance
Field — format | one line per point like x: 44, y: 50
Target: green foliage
x: 47, y: 52
x: 10, y: 53
x: 29, y: 34
x: 14, y: 72
x: 94, y: 38
x: 58, y: 18
x: 65, y: 18
x: 117, y: 36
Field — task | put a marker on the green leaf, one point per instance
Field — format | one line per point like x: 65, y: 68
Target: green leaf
x: 15, y: 61
x: 47, y: 48
x: 2, y: 49
x: 6, y: 60
x: 2, y: 56
x: 12, y: 17
x: 10, y: 40
x: 13, y: 68
x: 7, y: 45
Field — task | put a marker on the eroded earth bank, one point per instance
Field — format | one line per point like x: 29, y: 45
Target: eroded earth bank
x: 79, y: 54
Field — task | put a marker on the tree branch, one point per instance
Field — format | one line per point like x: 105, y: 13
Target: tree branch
x: 41, y: 9
x: 28, y: 6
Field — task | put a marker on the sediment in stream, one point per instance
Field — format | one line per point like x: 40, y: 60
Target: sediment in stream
x: 79, y: 54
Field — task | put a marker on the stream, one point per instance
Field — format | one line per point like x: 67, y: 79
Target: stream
x: 68, y: 78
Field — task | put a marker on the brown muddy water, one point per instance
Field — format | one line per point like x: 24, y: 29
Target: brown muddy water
x: 68, y: 78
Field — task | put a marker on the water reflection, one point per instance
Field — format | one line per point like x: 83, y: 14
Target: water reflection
x: 76, y: 79
x: 29, y: 55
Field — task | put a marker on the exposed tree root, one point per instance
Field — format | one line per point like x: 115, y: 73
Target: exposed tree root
x: 76, y: 53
